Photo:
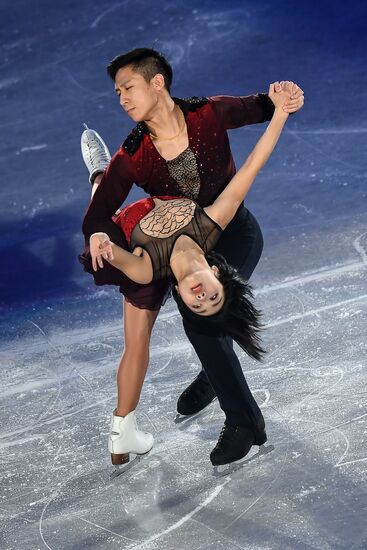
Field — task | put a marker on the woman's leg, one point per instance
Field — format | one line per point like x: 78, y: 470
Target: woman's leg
x: 96, y: 182
x: 138, y: 325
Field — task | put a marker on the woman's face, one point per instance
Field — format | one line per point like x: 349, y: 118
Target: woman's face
x: 202, y: 292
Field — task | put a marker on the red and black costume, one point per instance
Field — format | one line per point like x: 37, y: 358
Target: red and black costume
x: 200, y: 173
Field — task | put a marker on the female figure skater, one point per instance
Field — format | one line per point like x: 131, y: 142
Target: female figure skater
x: 173, y: 238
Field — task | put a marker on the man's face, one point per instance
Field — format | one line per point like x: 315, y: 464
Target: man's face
x: 137, y: 97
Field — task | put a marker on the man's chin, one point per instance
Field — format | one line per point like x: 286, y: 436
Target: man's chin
x: 134, y: 115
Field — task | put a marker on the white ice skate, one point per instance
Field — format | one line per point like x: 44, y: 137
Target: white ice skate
x: 95, y: 153
x: 125, y: 438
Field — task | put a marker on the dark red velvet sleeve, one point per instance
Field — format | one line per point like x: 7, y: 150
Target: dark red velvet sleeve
x: 115, y: 185
x: 234, y: 112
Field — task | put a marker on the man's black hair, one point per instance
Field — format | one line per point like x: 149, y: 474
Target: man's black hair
x: 145, y: 61
x: 238, y: 318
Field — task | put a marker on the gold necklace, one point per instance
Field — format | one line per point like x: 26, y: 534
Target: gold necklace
x: 154, y: 136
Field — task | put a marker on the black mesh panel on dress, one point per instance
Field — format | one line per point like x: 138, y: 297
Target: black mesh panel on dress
x: 189, y: 219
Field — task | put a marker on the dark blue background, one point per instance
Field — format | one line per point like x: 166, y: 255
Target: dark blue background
x: 53, y: 78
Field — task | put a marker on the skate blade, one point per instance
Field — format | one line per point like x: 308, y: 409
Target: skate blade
x: 123, y: 468
x: 226, y: 469
x: 181, y: 418
x: 187, y: 418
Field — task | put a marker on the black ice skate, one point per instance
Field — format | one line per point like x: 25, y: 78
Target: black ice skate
x: 195, y: 397
x: 234, y: 444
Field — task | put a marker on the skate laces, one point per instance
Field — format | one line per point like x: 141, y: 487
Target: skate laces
x: 225, y: 433
x: 221, y: 436
x: 97, y: 153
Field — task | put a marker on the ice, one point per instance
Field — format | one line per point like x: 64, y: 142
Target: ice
x: 61, y: 337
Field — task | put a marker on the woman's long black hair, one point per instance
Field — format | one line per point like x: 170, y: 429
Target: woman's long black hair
x: 238, y: 318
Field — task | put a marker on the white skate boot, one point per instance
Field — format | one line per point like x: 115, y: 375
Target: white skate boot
x: 125, y: 438
x: 95, y: 153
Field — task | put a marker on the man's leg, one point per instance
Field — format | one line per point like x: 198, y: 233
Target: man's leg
x: 244, y: 425
x: 241, y: 245
x: 242, y: 248
x: 224, y: 371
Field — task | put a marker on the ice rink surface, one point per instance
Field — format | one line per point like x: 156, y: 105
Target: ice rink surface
x: 61, y: 337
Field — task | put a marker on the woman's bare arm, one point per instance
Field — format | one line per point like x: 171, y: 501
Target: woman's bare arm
x: 226, y: 205
x: 135, y: 267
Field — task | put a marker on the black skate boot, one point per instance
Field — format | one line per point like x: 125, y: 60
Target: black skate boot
x: 196, y: 396
x: 236, y: 441
x: 259, y: 432
x: 233, y: 444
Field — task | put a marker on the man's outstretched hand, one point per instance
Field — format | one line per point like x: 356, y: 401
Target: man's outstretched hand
x: 279, y: 98
x: 296, y: 100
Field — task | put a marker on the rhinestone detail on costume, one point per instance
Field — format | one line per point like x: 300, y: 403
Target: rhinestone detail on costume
x: 184, y: 170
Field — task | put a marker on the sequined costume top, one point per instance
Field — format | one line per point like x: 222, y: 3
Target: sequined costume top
x: 156, y: 223
x: 200, y: 173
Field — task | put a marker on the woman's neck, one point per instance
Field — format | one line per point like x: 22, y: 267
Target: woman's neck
x: 187, y: 260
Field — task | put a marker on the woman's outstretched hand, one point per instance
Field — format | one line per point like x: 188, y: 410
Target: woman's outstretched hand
x: 279, y: 95
x: 100, y: 247
x: 296, y: 100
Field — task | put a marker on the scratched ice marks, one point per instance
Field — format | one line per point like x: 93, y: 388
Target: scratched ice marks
x: 58, y: 397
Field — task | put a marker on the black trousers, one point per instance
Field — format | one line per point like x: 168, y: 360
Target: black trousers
x: 241, y: 244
